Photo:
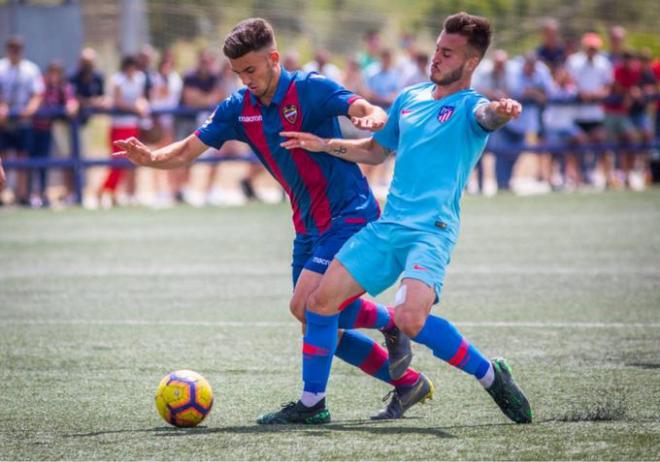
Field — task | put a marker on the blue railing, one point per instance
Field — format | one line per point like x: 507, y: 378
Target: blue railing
x: 78, y: 163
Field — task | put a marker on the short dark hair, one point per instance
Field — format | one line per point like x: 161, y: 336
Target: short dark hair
x: 475, y: 28
x: 252, y: 34
x: 128, y: 61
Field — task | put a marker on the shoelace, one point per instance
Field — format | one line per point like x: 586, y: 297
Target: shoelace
x: 392, y: 392
x: 287, y: 406
x: 392, y: 336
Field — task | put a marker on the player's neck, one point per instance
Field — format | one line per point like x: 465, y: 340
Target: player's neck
x: 442, y: 91
x: 267, y: 98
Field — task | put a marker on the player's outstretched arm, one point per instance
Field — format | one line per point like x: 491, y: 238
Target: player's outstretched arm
x: 175, y: 155
x: 362, y: 151
x: 496, y: 114
x: 367, y: 116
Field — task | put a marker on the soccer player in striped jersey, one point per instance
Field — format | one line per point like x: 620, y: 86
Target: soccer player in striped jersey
x: 330, y: 197
x: 439, y: 130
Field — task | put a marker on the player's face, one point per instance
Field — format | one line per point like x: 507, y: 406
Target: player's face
x: 257, y: 71
x: 451, y: 60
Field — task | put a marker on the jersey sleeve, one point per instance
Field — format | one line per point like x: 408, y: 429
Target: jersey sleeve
x: 220, y: 125
x: 388, y: 137
x: 328, y: 97
x: 473, y: 105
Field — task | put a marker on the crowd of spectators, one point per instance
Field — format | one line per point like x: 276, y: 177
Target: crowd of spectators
x: 587, y: 112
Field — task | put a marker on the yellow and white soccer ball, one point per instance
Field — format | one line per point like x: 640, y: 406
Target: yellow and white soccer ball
x: 184, y: 398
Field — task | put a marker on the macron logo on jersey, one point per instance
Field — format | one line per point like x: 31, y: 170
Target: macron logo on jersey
x: 248, y: 119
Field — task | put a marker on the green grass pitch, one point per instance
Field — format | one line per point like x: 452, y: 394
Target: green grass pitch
x: 96, y: 306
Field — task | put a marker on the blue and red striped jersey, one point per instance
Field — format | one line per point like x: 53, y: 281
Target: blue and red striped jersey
x: 322, y: 188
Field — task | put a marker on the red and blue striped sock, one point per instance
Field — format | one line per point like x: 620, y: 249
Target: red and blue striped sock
x: 448, y: 344
x: 319, y: 344
x: 362, y: 351
x: 365, y: 314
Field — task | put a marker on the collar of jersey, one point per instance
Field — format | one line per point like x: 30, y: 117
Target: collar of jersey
x: 282, y: 87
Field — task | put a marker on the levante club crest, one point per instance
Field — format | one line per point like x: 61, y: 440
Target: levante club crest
x: 445, y: 113
x: 290, y: 113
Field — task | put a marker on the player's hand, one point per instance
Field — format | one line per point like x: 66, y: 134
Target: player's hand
x: 133, y: 150
x: 506, y: 107
x: 371, y: 123
x: 302, y: 140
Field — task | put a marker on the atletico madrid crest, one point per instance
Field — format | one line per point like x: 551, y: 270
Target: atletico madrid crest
x: 445, y: 113
x: 290, y: 113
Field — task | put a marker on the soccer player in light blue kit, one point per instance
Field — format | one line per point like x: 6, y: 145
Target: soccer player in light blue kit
x: 439, y: 130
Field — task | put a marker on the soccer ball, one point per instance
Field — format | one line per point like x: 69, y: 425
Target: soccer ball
x: 184, y: 398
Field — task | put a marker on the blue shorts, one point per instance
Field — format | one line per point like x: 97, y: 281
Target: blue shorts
x: 314, y: 253
x: 18, y: 138
x: 381, y: 252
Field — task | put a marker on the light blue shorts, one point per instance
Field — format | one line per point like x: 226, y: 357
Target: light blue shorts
x: 381, y: 252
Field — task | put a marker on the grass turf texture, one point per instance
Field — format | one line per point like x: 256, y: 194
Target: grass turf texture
x: 95, y: 307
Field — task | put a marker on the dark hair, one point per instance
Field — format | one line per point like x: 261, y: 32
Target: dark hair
x: 252, y: 34
x: 128, y: 61
x: 15, y: 42
x: 475, y: 28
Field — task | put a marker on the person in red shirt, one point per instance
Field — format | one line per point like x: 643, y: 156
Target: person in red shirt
x: 618, y: 122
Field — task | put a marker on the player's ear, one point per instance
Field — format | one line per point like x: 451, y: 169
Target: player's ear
x: 472, y: 63
x: 274, y: 56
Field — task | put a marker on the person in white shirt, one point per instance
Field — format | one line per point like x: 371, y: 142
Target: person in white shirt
x: 561, y: 130
x: 165, y: 94
x: 323, y: 66
x: 21, y: 92
x: 593, y: 74
x: 127, y: 90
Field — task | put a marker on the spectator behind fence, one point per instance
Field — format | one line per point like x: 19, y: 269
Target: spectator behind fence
x: 149, y: 132
x: 21, y: 91
x: 201, y: 90
x: 323, y: 66
x: 530, y: 84
x: 639, y: 114
x: 166, y: 88
x: 127, y: 92
x: 617, y: 45
x: 561, y: 133
x: 618, y: 120
x: 493, y: 78
x: 383, y: 80
x: 421, y: 72
x: 370, y: 53
x: 88, y: 83
x: 551, y: 50
x: 384, y: 83
x: 592, y: 73
x: 655, y: 67
x: 291, y: 61
x: 58, y: 96
x: 406, y: 63
x: 353, y: 79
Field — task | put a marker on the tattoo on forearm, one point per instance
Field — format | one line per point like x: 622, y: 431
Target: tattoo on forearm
x: 489, y: 119
x: 339, y: 150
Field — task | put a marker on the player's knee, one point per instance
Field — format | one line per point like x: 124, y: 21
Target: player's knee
x: 321, y: 303
x: 297, y: 308
x: 410, y: 322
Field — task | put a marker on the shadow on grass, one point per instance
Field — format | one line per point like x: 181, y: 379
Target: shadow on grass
x: 377, y: 428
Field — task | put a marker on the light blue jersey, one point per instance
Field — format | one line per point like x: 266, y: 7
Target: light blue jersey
x: 437, y: 144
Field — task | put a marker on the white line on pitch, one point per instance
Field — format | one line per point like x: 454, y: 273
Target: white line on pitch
x: 138, y: 322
